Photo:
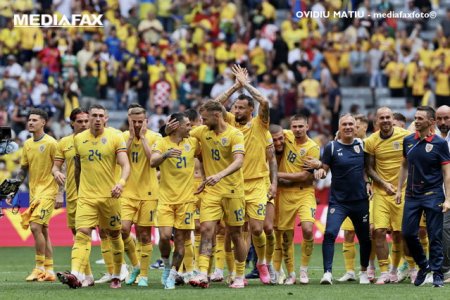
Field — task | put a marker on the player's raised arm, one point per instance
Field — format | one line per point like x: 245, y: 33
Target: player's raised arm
x: 273, y: 169
x: 242, y: 78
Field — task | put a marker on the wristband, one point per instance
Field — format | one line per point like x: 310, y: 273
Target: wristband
x: 368, y: 182
x: 122, y: 182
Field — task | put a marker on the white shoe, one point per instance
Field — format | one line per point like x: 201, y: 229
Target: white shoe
x: 100, y: 262
x: 104, y: 279
x: 348, y: 276
x: 124, y: 272
x: 327, y: 278
x: 87, y: 282
x: 384, y: 278
x: 363, y: 278
x: 304, y: 279
x: 446, y: 275
x: 291, y: 280
x: 281, y: 276
x: 273, y: 274
x: 429, y: 279
x: 217, y: 276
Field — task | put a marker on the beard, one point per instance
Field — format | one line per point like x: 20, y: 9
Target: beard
x: 444, y: 128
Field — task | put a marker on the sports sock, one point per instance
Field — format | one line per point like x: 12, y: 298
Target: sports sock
x: 117, y: 248
x: 197, y: 239
x: 270, y: 246
x: 229, y: 258
x: 130, y: 249
x: 396, y: 255
x: 384, y: 265
x: 188, y: 260
x: 348, y: 249
x: 307, y: 248
x: 138, y: 249
x: 203, y: 263
x: 105, y: 246
x: 40, y: 261
x: 259, y: 242
x: 424, y: 243
x: 240, y: 268
x: 81, y: 251
x: 212, y: 259
x: 411, y: 262
x: 48, y: 265
x: 278, y: 250
x: 146, y: 255
x: 288, y: 250
x: 88, y: 270
x: 219, y: 255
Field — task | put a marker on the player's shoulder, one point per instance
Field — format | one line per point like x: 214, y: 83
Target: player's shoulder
x: 199, y: 130
x: 232, y: 131
x: 401, y: 132
x: 49, y: 139
x: 66, y: 139
x: 81, y: 136
x: 150, y: 134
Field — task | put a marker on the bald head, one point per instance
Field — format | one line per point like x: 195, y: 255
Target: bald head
x: 384, y: 120
x: 443, y: 119
x: 382, y: 110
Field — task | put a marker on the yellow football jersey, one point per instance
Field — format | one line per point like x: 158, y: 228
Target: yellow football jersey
x: 293, y: 155
x: 388, y: 155
x: 98, y: 162
x: 65, y: 152
x: 217, y: 155
x: 142, y: 184
x: 38, y: 156
x: 255, y: 140
x: 177, y: 173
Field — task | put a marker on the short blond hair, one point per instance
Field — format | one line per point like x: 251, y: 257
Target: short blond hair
x: 136, y: 111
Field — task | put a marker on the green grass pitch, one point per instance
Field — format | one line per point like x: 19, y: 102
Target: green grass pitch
x: 16, y: 263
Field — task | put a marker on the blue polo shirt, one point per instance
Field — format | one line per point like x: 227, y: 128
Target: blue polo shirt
x: 425, y: 159
x: 346, y: 163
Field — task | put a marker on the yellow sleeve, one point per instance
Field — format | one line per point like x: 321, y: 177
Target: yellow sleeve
x: 237, y: 143
x: 59, y: 151
x: 24, y: 159
x: 120, y: 145
x: 269, y: 140
x: 196, y: 132
x: 369, y: 144
x: 229, y: 118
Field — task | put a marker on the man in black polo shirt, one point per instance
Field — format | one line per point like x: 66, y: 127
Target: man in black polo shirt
x: 426, y: 165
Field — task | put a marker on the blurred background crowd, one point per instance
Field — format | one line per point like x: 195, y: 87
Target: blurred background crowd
x: 170, y: 55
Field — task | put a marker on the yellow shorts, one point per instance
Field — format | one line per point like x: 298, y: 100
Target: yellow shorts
x: 292, y: 204
x: 256, y: 198
x: 386, y: 213
x: 71, y: 210
x: 347, y: 225
x: 214, y: 208
x: 43, y: 212
x: 106, y: 212
x: 423, y: 221
x: 179, y: 216
x: 140, y: 212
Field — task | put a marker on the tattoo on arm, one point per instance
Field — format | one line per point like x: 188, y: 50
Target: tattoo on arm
x: 77, y: 171
x: 263, y: 102
x: 369, y: 161
x: 273, y: 166
x: 222, y: 98
x: 23, y: 172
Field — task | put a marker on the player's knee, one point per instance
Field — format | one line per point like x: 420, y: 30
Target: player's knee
x: 422, y: 232
x: 329, y: 236
x: 268, y: 229
x: 35, y: 228
x: 114, y: 233
x: 380, y: 234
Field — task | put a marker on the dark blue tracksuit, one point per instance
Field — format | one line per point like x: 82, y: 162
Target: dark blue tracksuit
x: 348, y: 198
x: 424, y: 192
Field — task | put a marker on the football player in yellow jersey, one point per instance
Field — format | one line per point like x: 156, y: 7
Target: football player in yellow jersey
x: 255, y: 167
x: 79, y: 121
x: 175, y: 157
x: 97, y: 151
x: 223, y: 196
x: 139, y: 197
x: 383, y: 160
x: 37, y: 159
x: 295, y: 201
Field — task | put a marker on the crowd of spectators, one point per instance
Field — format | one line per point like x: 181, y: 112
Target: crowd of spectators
x: 169, y: 55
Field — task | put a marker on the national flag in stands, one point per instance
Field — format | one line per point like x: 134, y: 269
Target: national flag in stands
x: 297, y: 5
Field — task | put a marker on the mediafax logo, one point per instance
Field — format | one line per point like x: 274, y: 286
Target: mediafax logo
x: 48, y: 20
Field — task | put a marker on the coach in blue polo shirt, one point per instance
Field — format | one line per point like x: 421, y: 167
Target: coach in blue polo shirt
x: 426, y: 166
x: 348, y: 197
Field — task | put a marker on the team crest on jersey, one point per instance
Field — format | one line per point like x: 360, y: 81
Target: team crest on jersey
x: 302, y: 152
x: 42, y: 148
x: 104, y: 141
x: 187, y: 148
x: 224, y: 141
x: 356, y: 148
x: 428, y: 147
x: 396, y: 145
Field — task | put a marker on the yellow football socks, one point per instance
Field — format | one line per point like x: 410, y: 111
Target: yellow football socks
x: 259, y: 242
x: 105, y: 246
x: 240, y: 268
x: 270, y: 246
x: 288, y: 250
x: 80, y: 252
x: 188, y: 260
x: 307, y: 248
x: 348, y: 250
x: 396, y: 254
x: 130, y: 249
x: 40, y: 261
x: 197, y: 239
x: 219, y: 254
x: 117, y: 249
x: 48, y: 265
x: 146, y: 255
x: 278, y: 250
